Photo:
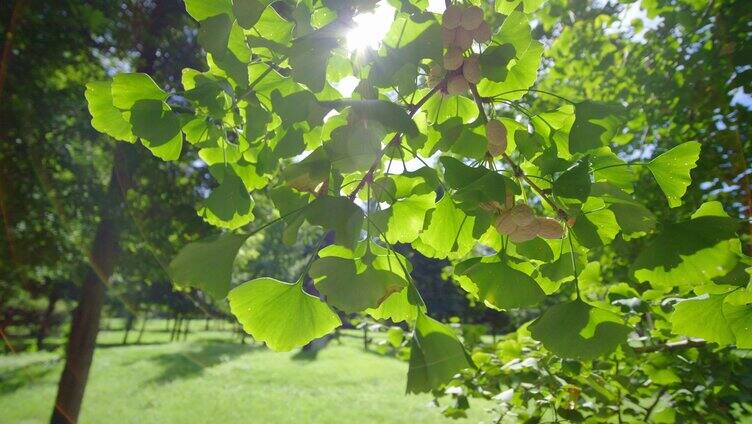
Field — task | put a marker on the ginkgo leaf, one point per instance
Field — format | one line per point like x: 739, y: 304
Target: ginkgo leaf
x: 340, y: 215
x: 105, y: 117
x: 353, y: 285
x: 355, y: 147
x: 449, y: 231
x: 499, y: 285
x: 214, y: 34
x: 475, y: 185
x: 595, y: 125
x: 158, y: 128
x: 494, y: 61
x: 390, y: 115
x: 577, y: 330
x: 309, y: 55
x: 248, y: 12
x: 436, y: 355
x: 671, y: 170
x: 523, y: 69
x: 298, y: 107
x: 634, y: 219
x: 703, y: 317
x: 310, y: 172
x: 739, y: 319
x: 207, y: 264
x: 229, y: 205
x: 574, y: 183
x: 290, y: 205
x: 397, y: 307
x: 691, y: 252
x: 281, y: 314
x: 127, y: 89
x: 202, y: 9
x: 404, y: 220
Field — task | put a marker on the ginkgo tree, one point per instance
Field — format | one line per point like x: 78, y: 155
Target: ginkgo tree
x: 422, y: 154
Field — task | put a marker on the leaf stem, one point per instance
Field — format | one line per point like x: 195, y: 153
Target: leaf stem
x: 538, y: 91
x: 620, y: 164
x: 574, y: 262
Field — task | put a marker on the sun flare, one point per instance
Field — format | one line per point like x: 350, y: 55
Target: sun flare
x: 370, y: 28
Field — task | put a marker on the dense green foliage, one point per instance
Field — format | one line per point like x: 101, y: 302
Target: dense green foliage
x: 566, y: 171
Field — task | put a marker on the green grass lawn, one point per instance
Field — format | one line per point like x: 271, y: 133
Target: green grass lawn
x: 211, y: 377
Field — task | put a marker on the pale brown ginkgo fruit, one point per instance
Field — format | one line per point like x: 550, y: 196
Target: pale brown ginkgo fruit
x: 453, y: 58
x: 496, y: 133
x: 457, y: 85
x: 471, y: 69
x: 452, y: 16
x: 471, y: 18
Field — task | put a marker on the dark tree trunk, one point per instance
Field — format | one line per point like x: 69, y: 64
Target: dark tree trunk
x: 86, y: 317
x: 103, y: 255
x: 128, y: 327
x: 176, y: 328
x: 45, y: 322
x: 143, y: 327
x: 187, y: 328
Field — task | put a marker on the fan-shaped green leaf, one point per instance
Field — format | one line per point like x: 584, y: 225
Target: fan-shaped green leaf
x: 340, y: 215
x: 229, y: 205
x: 202, y: 9
x: 577, y: 330
x: 248, y: 12
x: 105, y: 117
x: 671, y: 170
x: 309, y: 56
x: 574, y: 183
x: 281, y: 314
x: 449, y: 231
x: 353, y: 285
x: 127, y: 89
x: 595, y: 125
x: 397, y: 307
x: 436, y: 355
x: 214, y: 34
x: 690, y: 252
x: 207, y: 264
x: 499, y: 285
x: 703, y: 317
x: 158, y: 128
x: 494, y: 61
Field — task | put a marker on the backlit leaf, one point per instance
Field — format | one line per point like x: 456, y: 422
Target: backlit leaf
x: 207, y: 264
x: 671, y: 170
x: 577, y: 330
x: 281, y: 314
x: 436, y: 355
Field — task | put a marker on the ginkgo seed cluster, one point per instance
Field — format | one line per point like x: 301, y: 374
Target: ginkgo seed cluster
x: 461, y: 26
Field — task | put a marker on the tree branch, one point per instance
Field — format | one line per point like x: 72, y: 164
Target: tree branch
x: 394, y: 142
x: 560, y: 212
x: 671, y: 347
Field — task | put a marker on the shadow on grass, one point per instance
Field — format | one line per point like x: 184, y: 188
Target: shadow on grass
x: 12, y: 380
x: 193, y: 362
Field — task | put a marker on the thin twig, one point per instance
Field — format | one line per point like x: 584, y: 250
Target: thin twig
x: 560, y: 212
x: 394, y: 142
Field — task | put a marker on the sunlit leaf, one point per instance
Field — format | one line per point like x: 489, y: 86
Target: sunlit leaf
x: 671, y: 170
x: 436, y: 355
x: 281, y: 314
x: 207, y: 264
x: 579, y: 331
